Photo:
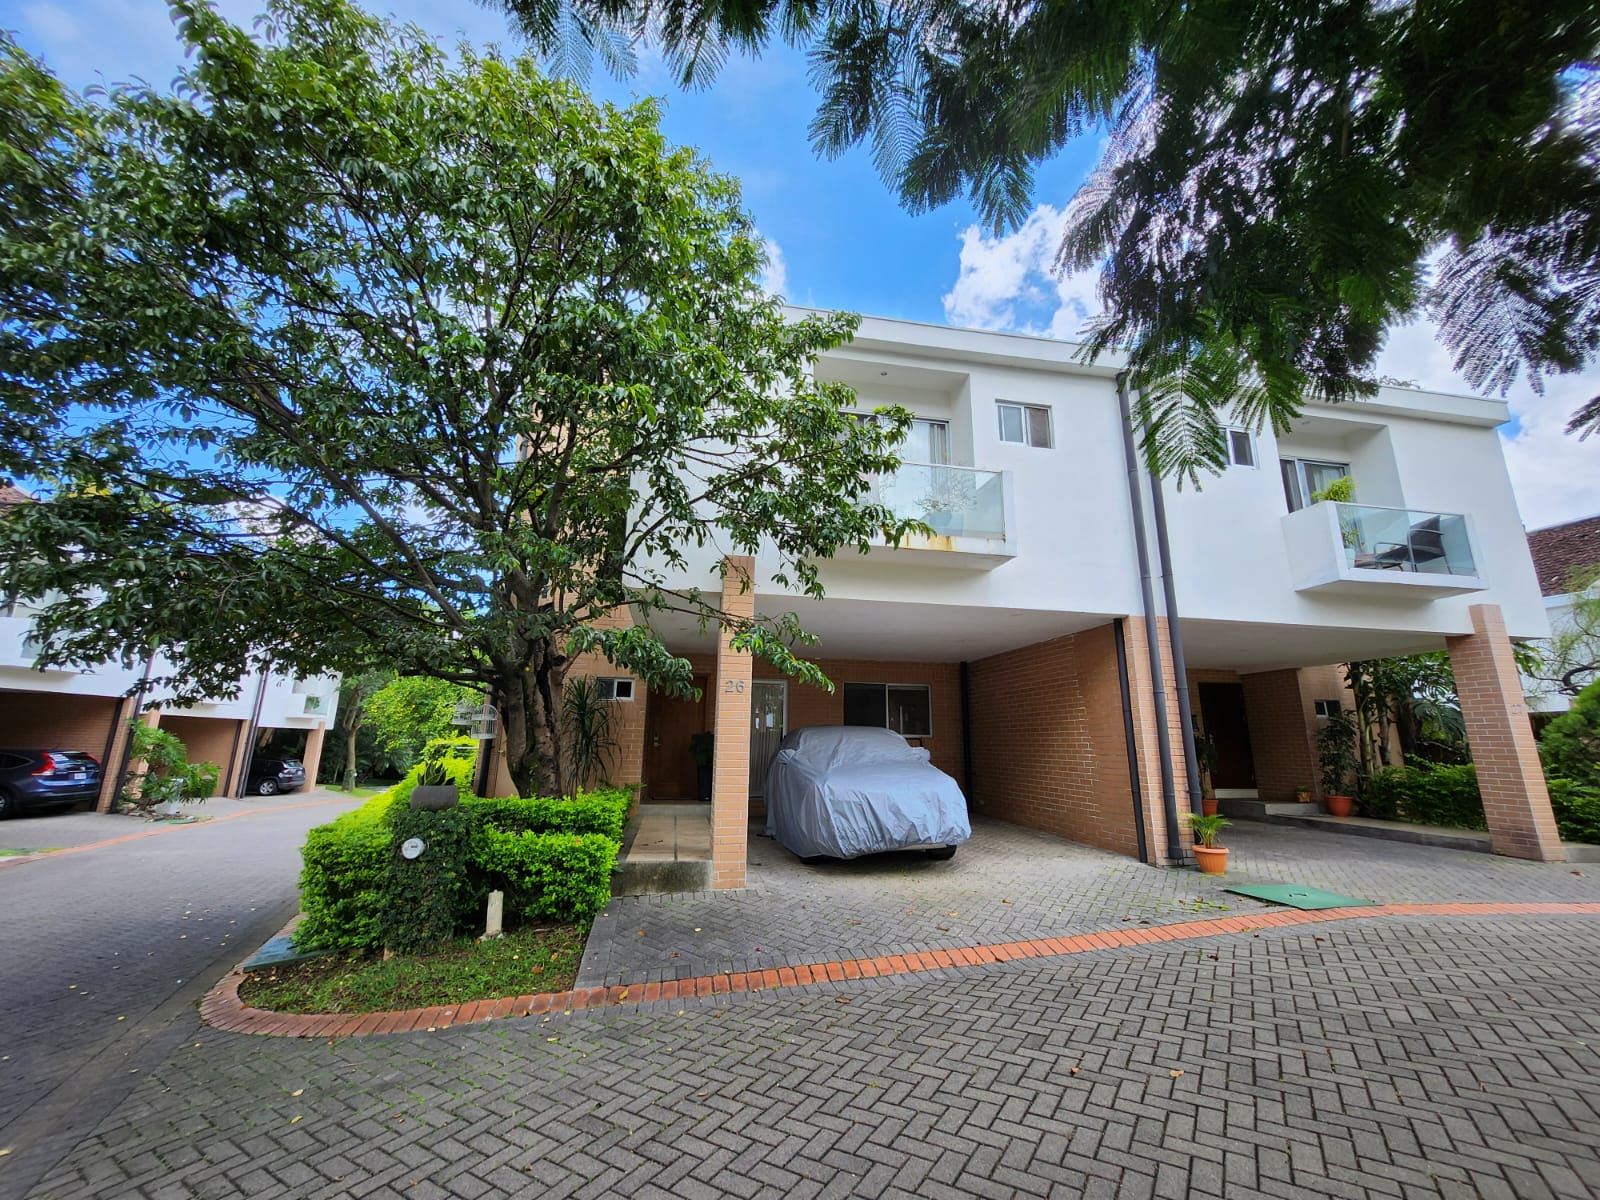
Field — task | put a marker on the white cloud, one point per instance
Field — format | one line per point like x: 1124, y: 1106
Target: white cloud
x: 1010, y: 283
x: 775, y: 275
x: 1556, y: 476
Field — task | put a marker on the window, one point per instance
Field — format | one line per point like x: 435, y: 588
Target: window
x: 906, y: 708
x: 1241, y: 448
x: 615, y: 689
x: 1305, y: 477
x: 1327, y: 708
x: 1025, y: 424
x: 927, y: 441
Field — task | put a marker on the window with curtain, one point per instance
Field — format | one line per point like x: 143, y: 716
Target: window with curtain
x: 1305, y: 477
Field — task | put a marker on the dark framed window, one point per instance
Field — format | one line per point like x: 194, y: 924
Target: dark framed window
x: 906, y: 708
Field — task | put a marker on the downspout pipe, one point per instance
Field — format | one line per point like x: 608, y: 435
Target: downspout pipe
x: 241, y: 784
x: 1180, y: 671
x: 1158, y: 680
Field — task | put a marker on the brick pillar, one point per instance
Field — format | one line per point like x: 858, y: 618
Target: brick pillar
x: 1282, y: 734
x: 127, y: 710
x: 730, y: 769
x: 312, y: 758
x: 1148, y: 708
x: 1500, y: 737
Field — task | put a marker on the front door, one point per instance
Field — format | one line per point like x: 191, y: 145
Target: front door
x: 1222, y: 710
x: 769, y: 714
x: 670, y: 772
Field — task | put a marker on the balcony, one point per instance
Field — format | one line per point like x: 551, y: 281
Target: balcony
x: 969, y: 511
x: 19, y: 645
x: 1361, y: 549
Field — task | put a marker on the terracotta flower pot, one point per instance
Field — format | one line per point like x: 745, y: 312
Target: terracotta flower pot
x: 1212, y: 860
x: 1338, y: 806
x: 1208, y: 805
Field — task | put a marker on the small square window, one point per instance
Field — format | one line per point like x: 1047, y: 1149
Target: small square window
x: 1241, y: 448
x: 1025, y: 424
x: 1327, y: 708
x: 616, y: 689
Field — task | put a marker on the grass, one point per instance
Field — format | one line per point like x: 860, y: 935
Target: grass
x: 18, y: 851
x: 533, y: 959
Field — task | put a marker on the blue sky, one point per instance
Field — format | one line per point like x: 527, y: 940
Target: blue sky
x: 839, y: 237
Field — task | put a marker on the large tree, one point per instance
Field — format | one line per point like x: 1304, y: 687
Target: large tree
x: 347, y: 350
x: 1277, y: 176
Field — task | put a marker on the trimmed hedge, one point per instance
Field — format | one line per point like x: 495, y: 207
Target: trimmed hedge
x: 1449, y: 796
x: 604, y: 812
x: 1426, y: 796
x: 341, y: 879
x: 1577, y: 808
x: 566, y: 876
x: 553, y: 858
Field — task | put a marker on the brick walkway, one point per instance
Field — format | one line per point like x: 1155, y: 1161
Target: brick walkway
x: 1387, y: 1057
x: 1012, y: 884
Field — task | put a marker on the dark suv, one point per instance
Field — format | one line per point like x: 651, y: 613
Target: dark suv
x: 269, y: 776
x: 54, y: 779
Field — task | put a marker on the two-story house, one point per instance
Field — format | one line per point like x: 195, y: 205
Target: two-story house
x: 1069, y: 616
x: 90, y: 709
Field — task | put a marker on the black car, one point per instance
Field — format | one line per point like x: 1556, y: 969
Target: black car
x: 52, y: 779
x: 269, y: 776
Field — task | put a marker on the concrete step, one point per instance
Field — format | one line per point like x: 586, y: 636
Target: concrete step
x: 1259, y: 810
x: 652, y: 877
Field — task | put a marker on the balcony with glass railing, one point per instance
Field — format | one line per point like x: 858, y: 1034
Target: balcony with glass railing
x: 1365, y: 548
x: 967, y: 508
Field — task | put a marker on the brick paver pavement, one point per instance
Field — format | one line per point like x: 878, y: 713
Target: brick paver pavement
x: 1010, y: 884
x: 1397, y: 1056
x: 101, y: 950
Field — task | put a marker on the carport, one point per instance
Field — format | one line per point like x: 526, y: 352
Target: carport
x: 59, y: 720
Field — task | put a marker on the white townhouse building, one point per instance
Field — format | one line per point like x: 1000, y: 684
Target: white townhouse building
x: 1070, y: 616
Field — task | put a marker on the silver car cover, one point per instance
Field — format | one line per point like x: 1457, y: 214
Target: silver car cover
x: 845, y: 791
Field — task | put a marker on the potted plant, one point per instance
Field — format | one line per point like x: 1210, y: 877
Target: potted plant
x: 1302, y: 795
x: 1211, y: 858
x: 1336, y: 755
x: 435, y: 789
x: 702, y: 747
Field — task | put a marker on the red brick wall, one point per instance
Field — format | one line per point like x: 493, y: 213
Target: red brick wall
x: 1049, y: 743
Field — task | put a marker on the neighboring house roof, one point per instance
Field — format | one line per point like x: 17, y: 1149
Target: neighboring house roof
x: 10, y: 496
x: 1562, y: 549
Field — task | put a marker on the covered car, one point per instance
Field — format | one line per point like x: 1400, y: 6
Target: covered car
x: 841, y: 792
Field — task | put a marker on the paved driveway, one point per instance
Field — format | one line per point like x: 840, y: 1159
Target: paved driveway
x: 1010, y: 884
x: 1381, y: 1057
x: 103, y: 951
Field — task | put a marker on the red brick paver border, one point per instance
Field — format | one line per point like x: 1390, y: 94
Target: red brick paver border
x: 222, y: 1009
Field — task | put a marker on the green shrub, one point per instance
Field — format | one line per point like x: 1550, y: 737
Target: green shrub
x: 426, y: 899
x: 166, y: 776
x: 564, y: 876
x: 1426, y: 795
x: 552, y: 857
x: 1577, y: 807
x: 604, y: 812
x: 344, y: 864
x: 1570, y: 746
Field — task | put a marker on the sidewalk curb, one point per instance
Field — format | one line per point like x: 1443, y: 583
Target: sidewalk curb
x: 223, y: 1010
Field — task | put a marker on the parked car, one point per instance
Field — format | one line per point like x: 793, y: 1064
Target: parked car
x: 846, y: 791
x: 53, y: 779
x: 269, y: 776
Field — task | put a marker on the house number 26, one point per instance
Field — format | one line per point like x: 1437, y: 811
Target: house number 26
x: 733, y: 685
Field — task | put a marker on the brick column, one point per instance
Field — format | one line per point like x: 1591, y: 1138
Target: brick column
x: 730, y: 769
x: 312, y: 758
x: 1148, y: 708
x: 1515, y: 799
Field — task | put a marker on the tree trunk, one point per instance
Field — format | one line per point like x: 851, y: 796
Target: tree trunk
x: 530, y: 722
x: 350, y: 757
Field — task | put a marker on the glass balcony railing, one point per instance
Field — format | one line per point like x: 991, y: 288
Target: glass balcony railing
x: 1401, y: 539
x: 958, y: 502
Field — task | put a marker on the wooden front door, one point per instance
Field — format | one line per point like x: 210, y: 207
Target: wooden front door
x: 670, y: 773
x: 1222, y: 711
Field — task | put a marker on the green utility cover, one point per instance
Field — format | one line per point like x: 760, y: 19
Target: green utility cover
x: 1296, y: 895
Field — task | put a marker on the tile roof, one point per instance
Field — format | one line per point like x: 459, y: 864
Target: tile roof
x: 10, y: 496
x: 1563, y: 549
